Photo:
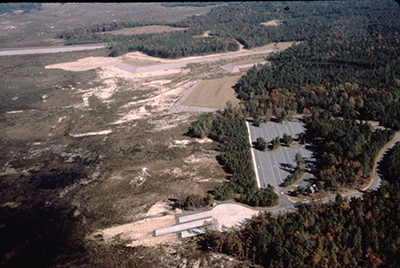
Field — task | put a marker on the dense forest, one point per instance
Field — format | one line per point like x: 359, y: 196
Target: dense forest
x: 349, y: 80
x: 390, y: 166
x: 347, y: 233
x: 344, y: 73
x: 241, y: 22
x: 347, y: 150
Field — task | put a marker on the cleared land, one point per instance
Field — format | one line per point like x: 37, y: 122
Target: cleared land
x: 214, y: 93
x: 76, y: 110
x: 272, y: 23
x: 227, y: 215
x: 147, y: 29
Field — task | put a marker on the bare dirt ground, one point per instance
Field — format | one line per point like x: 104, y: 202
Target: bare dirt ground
x: 76, y: 111
x: 115, y: 128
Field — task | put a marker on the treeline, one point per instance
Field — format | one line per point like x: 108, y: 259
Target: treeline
x: 356, y: 233
x: 347, y: 150
x: 86, y: 32
x: 390, y: 166
x: 355, y: 79
x: 364, y: 83
x: 232, y: 134
x: 319, y: 22
x: 169, y: 45
x: 25, y: 7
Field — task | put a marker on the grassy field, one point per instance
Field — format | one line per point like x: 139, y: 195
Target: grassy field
x: 214, y: 93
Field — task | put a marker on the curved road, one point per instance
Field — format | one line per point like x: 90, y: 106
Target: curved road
x: 288, y: 206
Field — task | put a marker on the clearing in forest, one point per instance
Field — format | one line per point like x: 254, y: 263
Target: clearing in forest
x: 214, y: 93
x: 272, y: 23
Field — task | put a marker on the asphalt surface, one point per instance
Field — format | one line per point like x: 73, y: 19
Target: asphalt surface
x: 44, y: 50
x: 274, y: 167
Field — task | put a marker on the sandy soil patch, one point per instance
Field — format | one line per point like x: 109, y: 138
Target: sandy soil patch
x: 205, y: 140
x: 104, y: 132
x: 230, y: 215
x: 179, y: 143
x: 147, y: 29
x: 161, y: 95
x: 139, y: 233
x: 85, y: 64
x: 169, y: 121
x: 141, y: 56
x: 157, y: 104
x: 205, y: 34
x: 272, y: 23
x: 214, y: 93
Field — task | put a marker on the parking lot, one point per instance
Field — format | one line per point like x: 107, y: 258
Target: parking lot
x: 274, y: 167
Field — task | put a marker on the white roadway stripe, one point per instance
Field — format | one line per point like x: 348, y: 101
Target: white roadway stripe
x: 253, y: 157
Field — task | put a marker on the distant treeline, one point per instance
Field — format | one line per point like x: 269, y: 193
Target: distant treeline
x: 25, y: 7
x: 241, y: 21
x: 356, y: 78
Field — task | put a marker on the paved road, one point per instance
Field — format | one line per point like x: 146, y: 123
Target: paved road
x: 273, y: 167
x: 44, y: 50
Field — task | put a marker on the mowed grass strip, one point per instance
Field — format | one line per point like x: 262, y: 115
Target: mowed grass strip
x: 214, y: 93
x: 275, y: 46
x: 147, y: 29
